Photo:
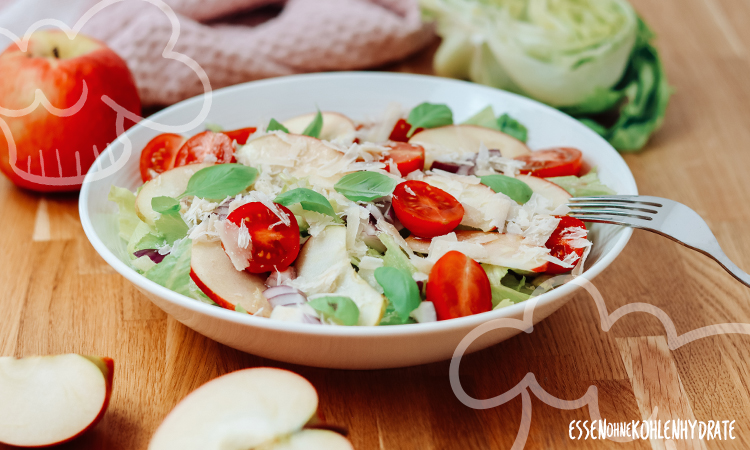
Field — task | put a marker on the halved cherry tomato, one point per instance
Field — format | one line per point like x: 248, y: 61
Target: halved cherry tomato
x: 560, y: 242
x: 240, y: 135
x: 275, y: 245
x: 158, y: 155
x: 553, y: 162
x: 205, y: 147
x: 400, y: 132
x: 425, y: 210
x: 407, y: 157
x: 458, y: 287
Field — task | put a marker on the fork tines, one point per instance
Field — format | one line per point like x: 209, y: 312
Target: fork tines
x: 617, y: 209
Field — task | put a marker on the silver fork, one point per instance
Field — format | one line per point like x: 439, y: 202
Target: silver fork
x: 659, y: 215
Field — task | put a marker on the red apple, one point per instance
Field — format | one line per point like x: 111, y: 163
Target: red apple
x: 59, y: 67
x: 48, y: 400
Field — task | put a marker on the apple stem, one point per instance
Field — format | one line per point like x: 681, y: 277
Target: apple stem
x: 56, y: 52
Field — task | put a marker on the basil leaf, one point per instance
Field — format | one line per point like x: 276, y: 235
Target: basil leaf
x: 512, y: 187
x: 341, y: 310
x: 274, y: 125
x: 165, y: 204
x: 365, y: 186
x: 428, y: 115
x: 309, y: 199
x: 512, y: 127
x: 315, y: 127
x: 400, y: 289
x: 484, y: 118
x: 220, y: 181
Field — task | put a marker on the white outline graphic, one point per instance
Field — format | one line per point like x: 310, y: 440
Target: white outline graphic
x: 122, y: 114
x: 529, y: 382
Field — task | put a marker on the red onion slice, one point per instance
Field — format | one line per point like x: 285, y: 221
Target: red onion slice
x: 279, y: 290
x: 288, y: 300
x: 153, y: 254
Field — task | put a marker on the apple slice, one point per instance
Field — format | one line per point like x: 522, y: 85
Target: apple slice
x: 547, y: 189
x: 328, y: 249
x: 335, y: 126
x: 46, y: 400
x: 213, y: 272
x: 171, y: 183
x: 251, y: 408
x: 466, y: 139
x: 505, y: 250
x: 301, y: 156
x: 312, y: 439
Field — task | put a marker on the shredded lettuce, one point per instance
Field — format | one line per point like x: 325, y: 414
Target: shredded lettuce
x: 505, y: 286
x: 126, y: 216
x: 394, y: 256
x: 174, y: 271
x: 584, y: 186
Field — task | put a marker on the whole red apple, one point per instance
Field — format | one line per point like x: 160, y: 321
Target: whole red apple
x: 60, y: 146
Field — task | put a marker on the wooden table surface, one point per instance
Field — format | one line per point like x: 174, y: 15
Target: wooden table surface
x: 60, y: 296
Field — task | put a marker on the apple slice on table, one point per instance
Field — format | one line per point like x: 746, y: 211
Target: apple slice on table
x: 252, y: 408
x: 46, y: 400
x: 328, y: 249
x: 464, y: 140
x: 335, y: 126
x: 213, y: 272
x: 503, y: 250
x: 547, y: 189
x: 171, y: 183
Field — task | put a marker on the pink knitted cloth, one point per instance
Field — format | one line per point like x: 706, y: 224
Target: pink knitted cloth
x: 307, y: 36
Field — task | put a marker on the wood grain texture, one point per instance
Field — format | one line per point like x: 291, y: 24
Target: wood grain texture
x: 59, y: 296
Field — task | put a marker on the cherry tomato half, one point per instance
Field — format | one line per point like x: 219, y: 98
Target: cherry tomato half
x: 553, y: 162
x: 458, y: 287
x: 425, y: 210
x: 400, y: 131
x: 560, y: 242
x: 240, y: 135
x: 275, y: 245
x: 205, y: 147
x: 407, y: 157
x: 158, y: 155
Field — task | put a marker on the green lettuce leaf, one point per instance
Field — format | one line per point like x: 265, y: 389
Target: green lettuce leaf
x: 126, y: 217
x: 174, y: 271
x: 505, y: 286
x: 394, y: 256
x: 584, y: 186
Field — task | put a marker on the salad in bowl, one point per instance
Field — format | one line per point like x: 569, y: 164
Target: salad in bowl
x: 322, y: 220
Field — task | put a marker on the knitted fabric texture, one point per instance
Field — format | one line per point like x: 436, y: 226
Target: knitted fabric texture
x: 306, y: 36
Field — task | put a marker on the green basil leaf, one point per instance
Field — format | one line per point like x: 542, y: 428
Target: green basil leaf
x: 512, y: 187
x: 512, y: 127
x: 428, y: 115
x: 274, y: 125
x: 220, y: 181
x: 315, y: 127
x: 165, y: 204
x: 400, y: 289
x: 341, y: 310
x: 484, y: 118
x: 171, y: 226
x: 365, y: 186
x: 309, y: 199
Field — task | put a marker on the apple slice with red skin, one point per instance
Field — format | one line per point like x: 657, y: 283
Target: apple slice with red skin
x: 48, y: 400
x: 213, y: 272
x: 251, y: 408
x: 464, y: 140
x: 335, y: 125
x: 547, y: 189
x: 171, y: 183
x: 502, y: 250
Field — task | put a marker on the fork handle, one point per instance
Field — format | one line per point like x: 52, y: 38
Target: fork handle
x: 731, y: 267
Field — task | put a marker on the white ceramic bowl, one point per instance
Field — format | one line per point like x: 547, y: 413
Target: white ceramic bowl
x: 360, y: 96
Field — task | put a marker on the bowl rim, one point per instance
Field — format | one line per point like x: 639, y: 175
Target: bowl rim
x: 223, y: 314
